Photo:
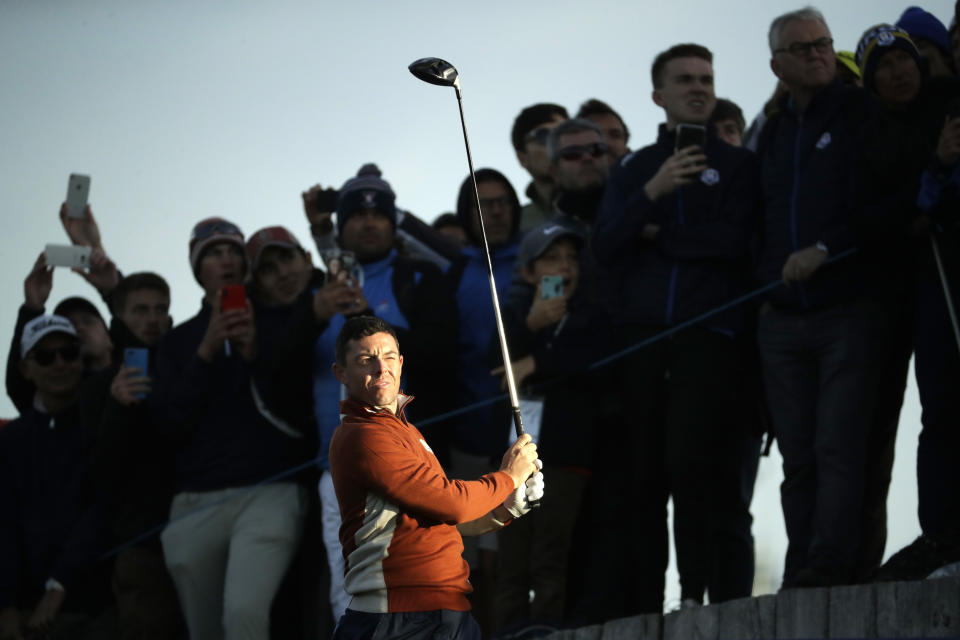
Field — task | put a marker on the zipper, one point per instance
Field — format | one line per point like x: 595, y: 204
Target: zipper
x: 793, y: 200
x: 672, y: 292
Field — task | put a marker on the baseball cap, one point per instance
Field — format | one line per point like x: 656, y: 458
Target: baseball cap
x: 538, y: 239
x: 42, y: 326
x: 269, y: 237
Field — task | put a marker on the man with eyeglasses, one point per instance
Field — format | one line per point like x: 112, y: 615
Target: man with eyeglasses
x: 579, y: 165
x: 821, y: 337
x: 49, y: 540
x: 529, y: 137
x: 672, y: 236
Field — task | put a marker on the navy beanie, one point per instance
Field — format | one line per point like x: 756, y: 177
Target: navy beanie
x: 366, y: 191
x: 923, y: 25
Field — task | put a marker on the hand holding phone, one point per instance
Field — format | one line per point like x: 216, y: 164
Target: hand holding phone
x: 551, y: 287
x: 690, y: 135
x: 78, y: 190
x: 688, y: 160
x: 233, y: 296
x: 66, y: 255
x: 136, y: 361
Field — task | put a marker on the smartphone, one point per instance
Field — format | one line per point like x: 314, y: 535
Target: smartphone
x: 137, y: 358
x: 67, y: 255
x: 322, y: 200
x: 233, y: 296
x: 342, y: 265
x: 78, y: 189
x: 551, y: 287
x: 689, y: 135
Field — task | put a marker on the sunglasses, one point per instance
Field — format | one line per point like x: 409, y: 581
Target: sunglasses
x: 577, y: 151
x: 45, y: 357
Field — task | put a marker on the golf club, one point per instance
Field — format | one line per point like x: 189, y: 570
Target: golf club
x: 442, y: 73
x: 946, y: 289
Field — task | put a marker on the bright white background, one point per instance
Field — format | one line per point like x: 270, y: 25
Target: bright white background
x: 182, y: 110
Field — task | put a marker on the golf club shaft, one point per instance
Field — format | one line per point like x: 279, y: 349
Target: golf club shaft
x: 507, y: 363
x: 946, y: 289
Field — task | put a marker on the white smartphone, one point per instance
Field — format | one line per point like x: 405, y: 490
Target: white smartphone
x: 78, y: 189
x: 67, y: 255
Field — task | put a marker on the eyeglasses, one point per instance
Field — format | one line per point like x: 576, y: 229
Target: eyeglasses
x: 540, y: 135
x: 45, y: 357
x: 822, y: 45
x: 502, y: 202
x: 577, y: 151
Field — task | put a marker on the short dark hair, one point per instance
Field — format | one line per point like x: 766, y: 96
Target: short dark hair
x: 688, y: 50
x: 728, y: 110
x: 448, y: 219
x: 360, y: 327
x: 567, y: 128
x: 531, y: 118
x: 594, y: 107
x: 136, y: 282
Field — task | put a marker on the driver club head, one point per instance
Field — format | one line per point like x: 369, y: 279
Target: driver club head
x: 435, y: 71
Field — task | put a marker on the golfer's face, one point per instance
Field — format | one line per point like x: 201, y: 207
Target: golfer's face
x: 372, y: 371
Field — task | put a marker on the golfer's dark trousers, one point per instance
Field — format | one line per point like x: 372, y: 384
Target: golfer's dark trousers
x: 676, y: 396
x: 938, y: 379
x: 821, y: 371
x: 441, y: 624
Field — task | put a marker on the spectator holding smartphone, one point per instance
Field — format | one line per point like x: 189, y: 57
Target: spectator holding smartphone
x: 226, y: 560
x: 130, y: 462
x: 673, y: 235
x: 554, y: 334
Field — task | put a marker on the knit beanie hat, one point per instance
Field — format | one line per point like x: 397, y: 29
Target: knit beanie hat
x: 366, y: 191
x: 210, y: 231
x: 923, y: 25
x: 876, y: 41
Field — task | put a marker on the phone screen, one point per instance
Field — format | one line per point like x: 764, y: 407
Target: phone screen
x: 233, y: 296
x: 137, y: 358
x: 689, y: 135
x: 551, y: 287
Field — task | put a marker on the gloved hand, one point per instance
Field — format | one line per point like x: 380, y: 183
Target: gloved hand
x: 520, y: 501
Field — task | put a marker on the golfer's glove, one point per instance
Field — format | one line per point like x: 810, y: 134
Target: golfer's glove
x: 520, y: 501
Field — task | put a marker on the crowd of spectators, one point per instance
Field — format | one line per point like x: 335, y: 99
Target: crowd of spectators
x: 173, y: 482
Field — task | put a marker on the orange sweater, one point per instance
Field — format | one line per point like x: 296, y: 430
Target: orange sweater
x: 400, y: 511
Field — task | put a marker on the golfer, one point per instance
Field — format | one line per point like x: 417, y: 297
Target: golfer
x: 402, y: 517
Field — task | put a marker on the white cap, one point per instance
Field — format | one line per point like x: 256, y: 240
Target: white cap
x: 41, y: 326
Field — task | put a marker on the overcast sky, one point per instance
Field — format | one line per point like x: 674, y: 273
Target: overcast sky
x: 182, y: 110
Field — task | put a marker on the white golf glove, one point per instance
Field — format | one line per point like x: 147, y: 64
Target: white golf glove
x: 520, y: 501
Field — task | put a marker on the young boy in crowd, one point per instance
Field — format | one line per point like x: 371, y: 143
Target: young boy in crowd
x: 554, y: 335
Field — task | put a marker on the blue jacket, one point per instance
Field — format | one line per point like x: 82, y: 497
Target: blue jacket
x: 811, y: 193
x: 700, y: 257
x: 483, y: 431
x: 208, y: 408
